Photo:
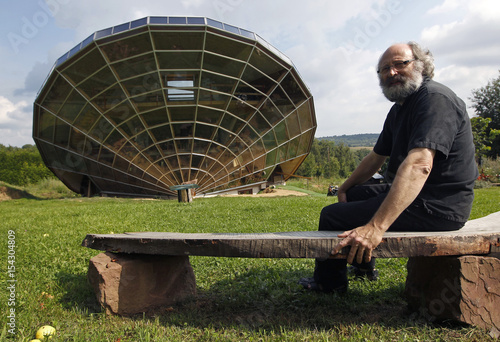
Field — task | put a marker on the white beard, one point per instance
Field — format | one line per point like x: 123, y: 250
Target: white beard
x: 399, y: 92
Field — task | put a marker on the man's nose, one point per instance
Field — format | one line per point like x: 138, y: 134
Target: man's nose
x: 392, y: 71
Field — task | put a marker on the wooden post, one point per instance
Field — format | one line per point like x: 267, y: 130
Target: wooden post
x: 184, y: 192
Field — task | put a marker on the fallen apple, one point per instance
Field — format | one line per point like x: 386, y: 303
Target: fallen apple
x: 45, y: 332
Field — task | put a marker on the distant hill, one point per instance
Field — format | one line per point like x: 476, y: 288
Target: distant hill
x: 355, y: 140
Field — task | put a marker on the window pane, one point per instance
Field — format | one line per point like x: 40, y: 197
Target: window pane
x: 155, y: 117
x: 120, y: 113
x: 232, y: 123
x: 293, y: 89
x: 162, y: 133
x: 293, y: 125
x: 259, y: 123
x: 270, y: 112
x: 213, y: 99
x: 109, y: 98
x: 132, y: 127
x: 129, y: 47
x: 179, y: 60
x: 227, y: 47
x: 248, y: 95
x: 46, y: 125
x: 57, y: 95
x: 142, y: 84
x: 304, y: 114
x: 209, y: 115
x: 281, y: 101
x: 200, y: 146
x: 267, y: 65
x: 97, y: 83
x: 269, y: 141
x: 183, y: 130
x: 216, y: 82
x: 135, y: 66
x: 61, y: 136
x: 147, y: 102
x: 281, y: 133
x: 240, y: 109
x: 182, y: 113
x: 258, y: 80
x: 74, y: 104
x: 204, y: 131
x: 222, y: 65
x: 101, y: 129
x: 175, y: 40
x: 85, y: 66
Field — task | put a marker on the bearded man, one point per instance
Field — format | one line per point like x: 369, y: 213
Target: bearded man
x: 430, y: 174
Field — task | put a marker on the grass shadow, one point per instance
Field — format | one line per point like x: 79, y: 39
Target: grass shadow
x: 78, y: 294
x: 254, y: 301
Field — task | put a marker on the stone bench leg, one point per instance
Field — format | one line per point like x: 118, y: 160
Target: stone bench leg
x: 465, y: 289
x: 128, y: 284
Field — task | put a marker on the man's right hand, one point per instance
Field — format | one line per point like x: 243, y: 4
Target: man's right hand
x: 341, y: 195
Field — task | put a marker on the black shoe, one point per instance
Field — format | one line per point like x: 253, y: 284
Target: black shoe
x: 310, y: 284
x: 361, y: 273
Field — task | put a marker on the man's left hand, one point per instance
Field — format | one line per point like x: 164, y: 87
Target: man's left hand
x: 363, y: 240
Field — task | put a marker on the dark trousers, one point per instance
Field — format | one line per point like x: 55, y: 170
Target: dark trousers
x: 362, y: 203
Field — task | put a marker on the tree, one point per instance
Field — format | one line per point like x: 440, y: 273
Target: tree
x: 486, y: 103
x: 22, y: 166
x: 483, y: 137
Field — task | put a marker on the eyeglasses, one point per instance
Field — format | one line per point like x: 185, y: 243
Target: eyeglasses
x: 398, y: 66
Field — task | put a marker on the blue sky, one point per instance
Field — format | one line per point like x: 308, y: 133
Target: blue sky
x: 334, y: 44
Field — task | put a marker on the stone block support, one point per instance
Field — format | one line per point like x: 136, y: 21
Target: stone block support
x: 465, y: 289
x: 128, y: 284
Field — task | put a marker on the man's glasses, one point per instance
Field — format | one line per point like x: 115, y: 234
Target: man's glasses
x: 398, y: 66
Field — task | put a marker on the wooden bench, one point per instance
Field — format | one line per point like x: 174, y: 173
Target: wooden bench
x: 451, y: 275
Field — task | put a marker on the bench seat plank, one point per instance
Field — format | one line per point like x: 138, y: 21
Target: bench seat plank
x: 477, y: 237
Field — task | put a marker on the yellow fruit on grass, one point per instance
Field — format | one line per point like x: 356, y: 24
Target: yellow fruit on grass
x: 35, y: 340
x: 45, y: 332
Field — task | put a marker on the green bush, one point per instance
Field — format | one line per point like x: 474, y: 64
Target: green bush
x: 22, y: 166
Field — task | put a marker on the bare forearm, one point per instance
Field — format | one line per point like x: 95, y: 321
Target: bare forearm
x: 368, y: 166
x: 409, y: 181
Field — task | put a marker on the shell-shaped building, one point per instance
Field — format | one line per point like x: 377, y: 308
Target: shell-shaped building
x: 138, y: 108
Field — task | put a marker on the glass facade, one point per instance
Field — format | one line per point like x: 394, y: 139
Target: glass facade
x: 161, y: 101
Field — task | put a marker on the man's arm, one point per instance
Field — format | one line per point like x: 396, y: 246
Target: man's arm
x: 367, y: 168
x: 409, y: 181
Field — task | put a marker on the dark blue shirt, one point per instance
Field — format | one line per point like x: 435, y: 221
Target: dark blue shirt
x: 434, y: 117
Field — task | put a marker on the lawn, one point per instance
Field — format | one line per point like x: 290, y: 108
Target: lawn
x: 239, y: 299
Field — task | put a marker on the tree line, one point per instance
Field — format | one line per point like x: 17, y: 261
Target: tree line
x: 329, y: 159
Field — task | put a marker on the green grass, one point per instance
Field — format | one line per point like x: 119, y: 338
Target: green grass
x: 239, y: 299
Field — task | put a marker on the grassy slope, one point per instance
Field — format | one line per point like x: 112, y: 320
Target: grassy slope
x: 239, y: 299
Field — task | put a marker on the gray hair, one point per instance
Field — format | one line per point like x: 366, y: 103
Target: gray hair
x: 424, y: 58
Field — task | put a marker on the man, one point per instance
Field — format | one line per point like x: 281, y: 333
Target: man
x: 430, y: 176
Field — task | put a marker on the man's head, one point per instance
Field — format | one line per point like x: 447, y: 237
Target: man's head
x: 401, y: 69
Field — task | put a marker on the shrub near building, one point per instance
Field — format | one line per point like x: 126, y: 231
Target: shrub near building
x: 22, y: 166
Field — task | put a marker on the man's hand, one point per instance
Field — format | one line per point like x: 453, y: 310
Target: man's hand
x: 363, y: 240
x: 341, y: 196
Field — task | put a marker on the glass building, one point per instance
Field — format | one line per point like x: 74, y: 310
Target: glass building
x: 162, y: 101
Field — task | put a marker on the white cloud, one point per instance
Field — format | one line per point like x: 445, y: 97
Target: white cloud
x: 12, y: 113
x: 462, y: 80
x: 15, y: 123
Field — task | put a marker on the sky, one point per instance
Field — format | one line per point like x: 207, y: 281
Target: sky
x: 334, y: 45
